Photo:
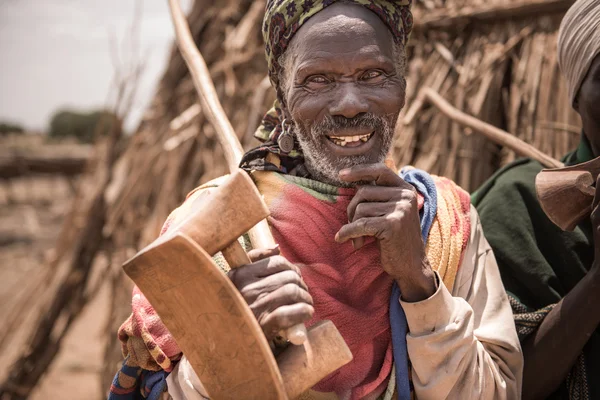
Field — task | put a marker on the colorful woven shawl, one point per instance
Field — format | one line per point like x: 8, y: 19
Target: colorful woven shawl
x: 305, y: 216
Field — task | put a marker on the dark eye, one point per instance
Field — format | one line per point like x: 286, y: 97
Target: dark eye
x: 372, y: 74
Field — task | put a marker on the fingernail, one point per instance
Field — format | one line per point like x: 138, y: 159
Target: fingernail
x: 344, y: 171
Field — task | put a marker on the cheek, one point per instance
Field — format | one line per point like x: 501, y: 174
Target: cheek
x: 391, y: 97
x: 589, y: 103
x: 306, y: 107
x: 589, y: 96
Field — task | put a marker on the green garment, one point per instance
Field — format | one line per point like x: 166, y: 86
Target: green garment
x: 539, y: 263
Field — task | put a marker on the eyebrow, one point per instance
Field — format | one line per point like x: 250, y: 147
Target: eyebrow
x: 312, y: 64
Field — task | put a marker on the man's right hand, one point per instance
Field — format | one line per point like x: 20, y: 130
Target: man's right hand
x: 274, y: 290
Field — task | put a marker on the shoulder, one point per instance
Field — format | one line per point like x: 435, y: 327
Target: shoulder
x: 507, y: 203
x: 516, y: 179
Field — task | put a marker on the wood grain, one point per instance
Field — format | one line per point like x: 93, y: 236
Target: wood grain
x: 232, y: 359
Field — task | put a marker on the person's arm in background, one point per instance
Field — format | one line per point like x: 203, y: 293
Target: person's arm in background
x: 551, y: 351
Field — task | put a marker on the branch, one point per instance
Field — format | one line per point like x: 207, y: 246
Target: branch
x: 489, y: 131
x: 211, y: 106
x: 445, y: 19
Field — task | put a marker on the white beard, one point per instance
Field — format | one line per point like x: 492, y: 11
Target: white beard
x: 323, y: 166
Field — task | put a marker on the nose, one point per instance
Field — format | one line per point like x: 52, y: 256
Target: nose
x: 348, y: 101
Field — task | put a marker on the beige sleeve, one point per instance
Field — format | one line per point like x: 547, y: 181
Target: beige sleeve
x: 464, y: 345
x: 183, y: 383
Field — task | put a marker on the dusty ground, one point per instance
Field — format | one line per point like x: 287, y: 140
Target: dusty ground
x: 31, y: 214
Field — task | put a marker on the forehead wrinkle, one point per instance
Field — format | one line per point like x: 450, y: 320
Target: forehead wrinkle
x: 342, y: 21
x: 339, y: 25
x: 339, y: 30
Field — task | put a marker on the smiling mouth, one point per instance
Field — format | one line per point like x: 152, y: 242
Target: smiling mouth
x: 350, y: 141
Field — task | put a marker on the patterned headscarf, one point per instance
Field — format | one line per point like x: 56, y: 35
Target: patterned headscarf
x: 579, y: 42
x: 282, y: 20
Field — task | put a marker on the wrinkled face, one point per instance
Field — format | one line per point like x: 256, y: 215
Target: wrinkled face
x: 588, y: 105
x: 344, y: 90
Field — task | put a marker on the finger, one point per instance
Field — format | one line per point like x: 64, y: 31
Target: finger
x: 370, y: 210
x: 264, y: 286
x: 359, y: 228
x: 260, y: 254
x: 378, y: 173
x: 285, y: 317
x: 262, y: 268
x: 378, y: 194
x: 284, y: 295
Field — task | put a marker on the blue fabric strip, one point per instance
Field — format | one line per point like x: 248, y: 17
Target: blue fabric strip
x: 425, y: 185
x: 153, y: 383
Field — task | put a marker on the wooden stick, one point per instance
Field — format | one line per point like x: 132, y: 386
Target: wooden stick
x: 260, y: 235
x: 206, y: 90
x: 185, y: 117
x: 489, y: 131
x: 238, y: 38
x: 455, y: 19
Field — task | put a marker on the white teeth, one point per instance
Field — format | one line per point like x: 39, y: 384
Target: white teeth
x: 344, y: 140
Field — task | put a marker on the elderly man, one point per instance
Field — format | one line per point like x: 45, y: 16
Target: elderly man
x: 553, y: 277
x: 398, y: 262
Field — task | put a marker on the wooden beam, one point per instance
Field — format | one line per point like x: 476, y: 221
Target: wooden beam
x: 444, y: 19
x: 491, y: 132
x: 16, y: 165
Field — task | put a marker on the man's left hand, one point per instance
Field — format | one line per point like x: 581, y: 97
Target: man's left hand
x: 388, y: 210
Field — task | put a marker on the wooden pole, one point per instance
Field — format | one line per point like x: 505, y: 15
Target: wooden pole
x: 491, y: 132
x: 454, y: 19
x: 260, y: 234
x: 211, y: 106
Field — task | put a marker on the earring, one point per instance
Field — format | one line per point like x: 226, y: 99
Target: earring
x: 285, y: 139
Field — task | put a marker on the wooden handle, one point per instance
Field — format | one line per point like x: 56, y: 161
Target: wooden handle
x: 211, y: 106
x: 235, y: 255
x: 567, y: 194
